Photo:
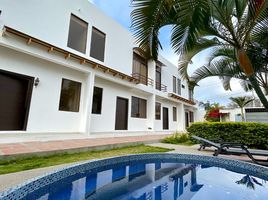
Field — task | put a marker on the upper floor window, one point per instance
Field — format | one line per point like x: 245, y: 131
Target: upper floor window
x: 140, y: 69
x: 191, y: 94
x: 157, y: 111
x: 97, y: 48
x: 70, y: 95
x: 77, y: 38
x: 158, y: 78
x: 174, y: 84
x: 179, y: 86
x: 138, y: 107
x: 97, y: 100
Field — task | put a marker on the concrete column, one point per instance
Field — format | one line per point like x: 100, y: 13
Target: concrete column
x: 181, y: 117
x: 151, y: 70
x: 151, y: 112
x: 89, y: 88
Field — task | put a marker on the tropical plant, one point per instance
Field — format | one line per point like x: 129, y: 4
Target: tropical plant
x: 213, y: 113
x: 242, y: 102
x: 235, y: 32
x: 249, y: 182
x: 206, y: 105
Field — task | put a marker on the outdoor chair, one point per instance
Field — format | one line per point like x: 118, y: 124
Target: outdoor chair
x: 233, y: 148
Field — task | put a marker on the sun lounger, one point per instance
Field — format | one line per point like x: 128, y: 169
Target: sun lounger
x: 232, y: 148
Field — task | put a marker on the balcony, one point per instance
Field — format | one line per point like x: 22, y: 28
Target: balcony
x: 160, y: 87
x: 143, y: 79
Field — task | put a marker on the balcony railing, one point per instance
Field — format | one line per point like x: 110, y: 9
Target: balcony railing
x: 160, y: 87
x: 143, y: 79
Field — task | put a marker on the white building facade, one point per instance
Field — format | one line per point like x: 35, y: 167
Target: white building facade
x: 66, y: 67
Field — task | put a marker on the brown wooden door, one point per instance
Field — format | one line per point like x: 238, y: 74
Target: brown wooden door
x: 121, y: 118
x: 165, y: 119
x: 15, y: 96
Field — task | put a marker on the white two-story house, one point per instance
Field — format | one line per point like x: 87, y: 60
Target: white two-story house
x: 67, y: 67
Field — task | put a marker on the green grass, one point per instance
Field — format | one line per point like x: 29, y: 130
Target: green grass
x: 38, y: 162
x: 179, y: 138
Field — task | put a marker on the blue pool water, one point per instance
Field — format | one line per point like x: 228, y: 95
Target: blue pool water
x: 156, y: 179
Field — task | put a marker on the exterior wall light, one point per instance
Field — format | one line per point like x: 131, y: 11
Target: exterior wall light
x: 36, y: 82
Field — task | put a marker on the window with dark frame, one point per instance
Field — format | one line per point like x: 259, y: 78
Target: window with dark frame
x: 158, y: 78
x: 140, y: 68
x: 174, y: 84
x: 157, y: 111
x: 97, y: 48
x: 179, y: 86
x: 97, y: 100
x: 191, y: 116
x: 77, y: 38
x: 138, y: 107
x: 174, y: 114
x: 70, y: 95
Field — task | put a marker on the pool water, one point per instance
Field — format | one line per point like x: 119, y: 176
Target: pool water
x: 156, y: 181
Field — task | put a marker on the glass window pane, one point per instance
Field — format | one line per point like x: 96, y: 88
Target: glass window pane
x: 174, y: 114
x: 97, y: 49
x: 97, y: 100
x: 157, y: 111
x: 77, y: 38
x: 174, y: 85
x: 138, y: 107
x: 179, y: 86
x: 70, y: 96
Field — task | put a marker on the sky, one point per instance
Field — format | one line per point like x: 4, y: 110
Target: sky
x: 209, y: 89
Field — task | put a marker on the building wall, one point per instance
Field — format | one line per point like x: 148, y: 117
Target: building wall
x: 49, y: 21
x: 44, y: 115
x: 34, y: 60
x: 105, y: 122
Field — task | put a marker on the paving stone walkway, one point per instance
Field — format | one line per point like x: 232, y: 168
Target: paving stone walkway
x: 49, y: 147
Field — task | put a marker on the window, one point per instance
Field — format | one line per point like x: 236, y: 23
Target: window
x: 77, y: 38
x: 140, y: 69
x: 179, y: 86
x: 97, y: 100
x: 157, y: 111
x: 174, y: 114
x: 191, y: 94
x: 138, y: 107
x: 191, y: 116
x: 158, y: 78
x: 174, y: 85
x: 70, y: 96
x: 97, y: 49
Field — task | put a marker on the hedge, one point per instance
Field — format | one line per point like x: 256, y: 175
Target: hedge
x: 254, y: 135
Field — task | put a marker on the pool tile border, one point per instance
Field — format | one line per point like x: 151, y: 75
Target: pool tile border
x: 22, y: 190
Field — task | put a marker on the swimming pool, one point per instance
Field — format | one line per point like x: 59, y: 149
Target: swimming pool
x: 150, y: 177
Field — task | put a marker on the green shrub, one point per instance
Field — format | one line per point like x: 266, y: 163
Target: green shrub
x: 178, y: 138
x: 254, y: 135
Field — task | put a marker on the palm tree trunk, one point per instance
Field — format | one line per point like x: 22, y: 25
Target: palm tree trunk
x: 258, y: 90
x: 242, y: 114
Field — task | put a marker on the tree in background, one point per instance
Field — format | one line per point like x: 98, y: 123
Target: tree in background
x: 213, y: 113
x: 241, y: 102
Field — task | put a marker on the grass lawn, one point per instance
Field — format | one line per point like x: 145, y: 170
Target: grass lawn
x: 38, y: 162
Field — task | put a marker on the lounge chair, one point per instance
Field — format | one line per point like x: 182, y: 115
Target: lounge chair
x: 232, y: 148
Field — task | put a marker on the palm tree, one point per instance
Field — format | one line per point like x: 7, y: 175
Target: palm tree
x: 233, y: 26
x: 242, y: 102
x: 249, y: 182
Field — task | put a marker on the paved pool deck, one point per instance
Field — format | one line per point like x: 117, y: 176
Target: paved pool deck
x: 24, y: 149
x: 10, y: 180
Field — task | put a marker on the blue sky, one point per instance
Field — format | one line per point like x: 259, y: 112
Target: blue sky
x: 210, y: 89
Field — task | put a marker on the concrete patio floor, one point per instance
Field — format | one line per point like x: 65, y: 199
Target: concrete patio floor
x: 10, y: 180
x: 20, y: 149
